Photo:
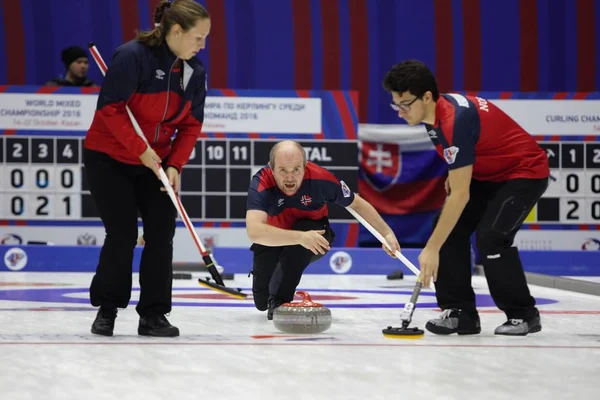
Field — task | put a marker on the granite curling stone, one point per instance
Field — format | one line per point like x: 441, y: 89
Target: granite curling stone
x: 302, y: 317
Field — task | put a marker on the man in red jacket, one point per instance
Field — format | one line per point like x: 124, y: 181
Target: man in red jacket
x: 497, y: 173
x: 287, y: 221
x: 157, y: 76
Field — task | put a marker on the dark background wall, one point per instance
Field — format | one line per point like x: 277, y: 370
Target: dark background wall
x: 494, y: 45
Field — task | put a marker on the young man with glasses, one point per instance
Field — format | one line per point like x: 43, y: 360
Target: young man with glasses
x: 496, y: 174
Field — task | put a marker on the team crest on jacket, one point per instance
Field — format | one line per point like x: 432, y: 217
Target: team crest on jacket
x: 381, y: 164
x: 305, y: 199
x: 450, y: 154
x: 345, y: 189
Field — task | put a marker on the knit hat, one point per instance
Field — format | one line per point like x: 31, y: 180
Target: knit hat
x: 70, y: 54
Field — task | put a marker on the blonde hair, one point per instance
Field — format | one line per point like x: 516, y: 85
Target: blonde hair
x: 170, y: 13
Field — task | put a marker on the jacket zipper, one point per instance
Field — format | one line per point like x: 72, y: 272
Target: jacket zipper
x: 157, y: 131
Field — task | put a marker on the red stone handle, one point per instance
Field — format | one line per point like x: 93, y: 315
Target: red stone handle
x: 306, y: 300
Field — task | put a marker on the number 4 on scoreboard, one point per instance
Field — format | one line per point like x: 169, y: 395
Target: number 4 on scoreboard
x: 67, y: 151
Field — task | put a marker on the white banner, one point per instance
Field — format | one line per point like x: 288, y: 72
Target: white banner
x: 262, y: 114
x: 554, y: 117
x: 53, y: 112
x: 538, y: 117
x: 72, y: 112
x: 558, y: 240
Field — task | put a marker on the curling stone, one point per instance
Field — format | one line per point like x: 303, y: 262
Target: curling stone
x: 302, y: 317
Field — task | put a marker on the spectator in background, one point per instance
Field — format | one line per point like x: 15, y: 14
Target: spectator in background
x: 76, y: 67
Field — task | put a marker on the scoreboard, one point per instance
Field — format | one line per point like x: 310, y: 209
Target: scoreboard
x: 44, y: 178
x: 41, y: 178
x: 573, y: 195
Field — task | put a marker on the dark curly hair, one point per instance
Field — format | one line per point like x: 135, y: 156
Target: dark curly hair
x: 412, y: 76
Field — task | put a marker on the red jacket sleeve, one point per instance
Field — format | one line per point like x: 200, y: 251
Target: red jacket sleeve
x: 188, y: 130
x: 121, y: 81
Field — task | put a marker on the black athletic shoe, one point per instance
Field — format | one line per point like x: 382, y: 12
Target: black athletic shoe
x: 273, y: 304
x: 157, y: 326
x: 520, y: 327
x: 104, y: 324
x: 455, y: 321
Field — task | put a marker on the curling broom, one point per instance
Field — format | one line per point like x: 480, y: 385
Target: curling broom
x: 403, y: 332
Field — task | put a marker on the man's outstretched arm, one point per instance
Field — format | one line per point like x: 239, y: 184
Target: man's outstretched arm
x: 260, y: 232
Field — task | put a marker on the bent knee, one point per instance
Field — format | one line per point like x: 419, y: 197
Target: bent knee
x: 260, y: 300
x: 490, y: 242
x: 260, y: 303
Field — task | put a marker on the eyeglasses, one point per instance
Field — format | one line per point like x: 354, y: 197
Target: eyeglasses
x: 403, y: 107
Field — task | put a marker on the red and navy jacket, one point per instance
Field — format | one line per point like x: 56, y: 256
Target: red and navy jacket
x: 472, y: 131
x: 164, y: 95
x: 319, y: 187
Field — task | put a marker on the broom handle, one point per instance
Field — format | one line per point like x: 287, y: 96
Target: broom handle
x: 380, y: 237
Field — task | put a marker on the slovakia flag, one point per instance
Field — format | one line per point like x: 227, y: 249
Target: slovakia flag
x: 403, y: 177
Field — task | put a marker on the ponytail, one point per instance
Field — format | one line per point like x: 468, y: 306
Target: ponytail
x: 169, y: 13
x: 156, y: 36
